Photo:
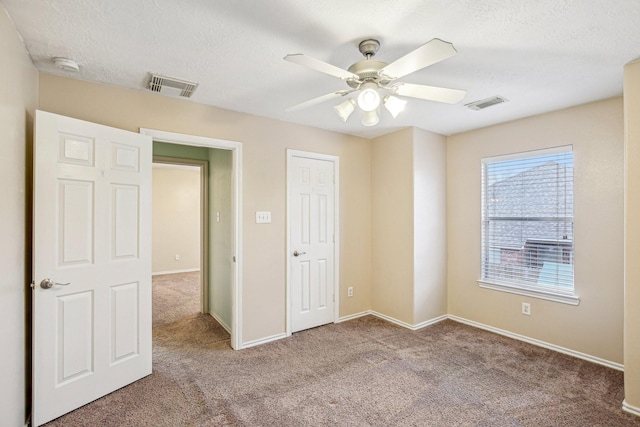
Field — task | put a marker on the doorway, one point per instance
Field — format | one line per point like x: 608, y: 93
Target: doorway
x: 180, y: 228
x: 226, y: 161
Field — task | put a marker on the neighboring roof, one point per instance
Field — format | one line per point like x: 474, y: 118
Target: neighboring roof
x: 520, y: 195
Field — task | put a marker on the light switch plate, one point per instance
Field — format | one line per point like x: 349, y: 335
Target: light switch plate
x: 263, y: 217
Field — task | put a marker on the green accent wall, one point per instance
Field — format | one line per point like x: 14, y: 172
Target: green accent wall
x: 180, y: 151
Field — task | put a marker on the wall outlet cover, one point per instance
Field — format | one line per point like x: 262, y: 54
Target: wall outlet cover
x: 263, y: 217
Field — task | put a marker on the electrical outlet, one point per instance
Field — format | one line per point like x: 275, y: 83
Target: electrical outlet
x: 526, y: 308
x: 350, y: 291
x: 177, y: 257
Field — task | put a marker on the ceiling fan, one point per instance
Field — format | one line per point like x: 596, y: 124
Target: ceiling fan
x: 372, y: 78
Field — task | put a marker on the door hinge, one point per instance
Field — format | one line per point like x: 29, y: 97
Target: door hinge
x: 234, y: 259
x: 334, y: 297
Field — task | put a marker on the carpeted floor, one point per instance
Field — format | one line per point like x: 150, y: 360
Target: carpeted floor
x: 364, y: 372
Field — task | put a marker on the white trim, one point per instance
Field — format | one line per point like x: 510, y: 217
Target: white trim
x: 533, y: 293
x: 430, y: 322
x: 264, y: 340
x: 630, y: 409
x: 527, y: 154
x: 394, y: 320
x: 236, y: 149
x: 569, y: 352
x: 186, y: 270
x: 407, y: 325
x: 219, y: 320
x: 353, y: 316
x: 539, y: 343
x: 336, y: 231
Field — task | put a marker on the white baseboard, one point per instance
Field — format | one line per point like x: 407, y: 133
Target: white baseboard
x: 579, y: 355
x: 430, y: 322
x: 567, y: 351
x: 407, y: 325
x: 630, y: 409
x: 539, y: 343
x: 391, y: 319
x: 353, y: 316
x: 262, y: 340
x: 186, y: 270
x: 219, y: 320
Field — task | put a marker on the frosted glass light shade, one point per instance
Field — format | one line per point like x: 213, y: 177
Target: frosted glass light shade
x: 394, y: 105
x: 370, y: 118
x: 368, y: 100
x: 344, y: 109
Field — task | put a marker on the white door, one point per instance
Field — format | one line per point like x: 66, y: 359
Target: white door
x: 92, y: 237
x: 312, y: 268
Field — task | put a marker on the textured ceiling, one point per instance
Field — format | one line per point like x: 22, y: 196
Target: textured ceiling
x: 541, y: 55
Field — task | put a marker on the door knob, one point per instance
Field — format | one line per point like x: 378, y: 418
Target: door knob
x: 48, y: 284
x: 296, y: 253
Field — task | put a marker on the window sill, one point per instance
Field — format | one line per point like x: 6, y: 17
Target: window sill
x: 570, y: 299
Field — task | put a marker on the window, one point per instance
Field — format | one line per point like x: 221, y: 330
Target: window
x: 527, y: 224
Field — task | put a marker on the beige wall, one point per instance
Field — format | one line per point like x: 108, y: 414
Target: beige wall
x: 264, y: 144
x: 430, y: 225
x: 409, y: 226
x: 632, y: 236
x: 18, y: 101
x: 392, y: 225
x: 596, y: 132
x: 176, y: 219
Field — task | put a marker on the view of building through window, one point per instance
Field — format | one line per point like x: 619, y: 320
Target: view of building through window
x: 527, y: 232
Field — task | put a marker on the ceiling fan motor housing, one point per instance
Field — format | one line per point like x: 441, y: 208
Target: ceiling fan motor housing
x: 367, y: 70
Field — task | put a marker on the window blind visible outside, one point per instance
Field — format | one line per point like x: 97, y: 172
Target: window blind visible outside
x: 527, y: 220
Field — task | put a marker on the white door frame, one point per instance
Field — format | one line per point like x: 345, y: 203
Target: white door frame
x: 236, y: 195
x: 336, y: 220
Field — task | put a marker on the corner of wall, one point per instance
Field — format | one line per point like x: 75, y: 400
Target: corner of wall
x: 19, y: 100
x: 632, y: 236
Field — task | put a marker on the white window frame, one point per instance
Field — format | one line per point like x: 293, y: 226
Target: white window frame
x: 568, y: 297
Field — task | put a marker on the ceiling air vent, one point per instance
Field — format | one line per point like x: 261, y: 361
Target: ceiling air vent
x: 171, y: 86
x: 484, y: 103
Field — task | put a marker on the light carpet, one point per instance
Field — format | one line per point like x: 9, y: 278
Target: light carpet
x: 364, y: 372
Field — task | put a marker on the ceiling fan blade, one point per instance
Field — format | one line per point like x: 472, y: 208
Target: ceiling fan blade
x: 319, y: 100
x: 323, y: 67
x: 429, y: 53
x: 430, y: 93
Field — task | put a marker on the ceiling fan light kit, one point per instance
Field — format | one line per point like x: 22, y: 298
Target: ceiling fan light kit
x: 369, y: 98
x: 370, y: 118
x: 344, y: 109
x: 371, y: 77
x: 394, y: 105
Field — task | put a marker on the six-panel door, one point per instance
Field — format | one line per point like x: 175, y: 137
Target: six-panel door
x: 311, y: 231
x: 91, y: 235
